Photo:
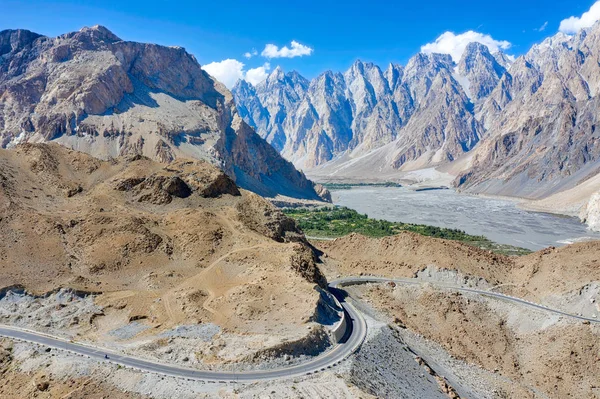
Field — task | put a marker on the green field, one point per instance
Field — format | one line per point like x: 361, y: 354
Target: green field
x: 335, y: 222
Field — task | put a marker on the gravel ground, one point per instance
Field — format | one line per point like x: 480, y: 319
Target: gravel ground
x: 61, y: 313
x: 386, y: 368
x: 128, y: 331
x: 205, y: 332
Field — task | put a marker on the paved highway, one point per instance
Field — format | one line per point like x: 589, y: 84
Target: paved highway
x: 355, y: 334
x: 356, y: 331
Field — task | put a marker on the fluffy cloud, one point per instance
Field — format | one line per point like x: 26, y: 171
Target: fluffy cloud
x: 450, y: 43
x: 297, y: 50
x: 257, y: 75
x: 251, y: 54
x: 574, y: 24
x: 230, y: 71
x: 227, y: 71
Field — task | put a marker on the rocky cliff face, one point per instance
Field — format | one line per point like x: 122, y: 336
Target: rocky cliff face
x: 91, y: 91
x: 421, y: 113
x: 590, y: 214
x: 481, y: 69
x: 541, y: 120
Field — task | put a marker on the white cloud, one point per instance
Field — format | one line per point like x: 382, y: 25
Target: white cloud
x: 455, y: 45
x: 251, y: 54
x: 230, y: 71
x: 543, y: 27
x: 227, y: 71
x: 297, y: 50
x: 257, y: 75
x: 574, y: 24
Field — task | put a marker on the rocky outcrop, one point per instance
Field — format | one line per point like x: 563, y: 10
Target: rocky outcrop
x: 541, y: 120
x: 91, y: 91
x: 264, y: 218
x: 591, y: 212
x: 180, y: 179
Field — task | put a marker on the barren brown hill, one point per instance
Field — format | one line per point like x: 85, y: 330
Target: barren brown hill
x: 405, y: 254
x: 537, y: 354
x: 552, y: 271
x: 166, y: 244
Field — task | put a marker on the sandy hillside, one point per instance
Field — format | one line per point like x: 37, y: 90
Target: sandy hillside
x: 542, y: 355
x: 540, y: 275
x: 538, y: 354
x: 162, y: 244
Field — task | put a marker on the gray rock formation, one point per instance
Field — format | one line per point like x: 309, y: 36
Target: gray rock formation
x: 541, y: 121
x: 590, y: 214
x: 93, y: 92
x: 481, y: 69
x: 421, y: 113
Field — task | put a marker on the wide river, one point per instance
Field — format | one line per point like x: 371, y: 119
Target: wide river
x: 498, y: 219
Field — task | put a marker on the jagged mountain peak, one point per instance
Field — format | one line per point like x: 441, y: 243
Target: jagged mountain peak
x: 476, y: 52
x: 433, y: 58
x: 276, y: 76
x: 481, y: 70
x: 100, y: 31
x: 551, y: 43
x: 363, y: 108
x: 503, y: 59
x: 243, y: 86
x: 296, y: 77
x: 92, y: 91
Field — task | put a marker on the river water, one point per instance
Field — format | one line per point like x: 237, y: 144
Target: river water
x: 499, y: 220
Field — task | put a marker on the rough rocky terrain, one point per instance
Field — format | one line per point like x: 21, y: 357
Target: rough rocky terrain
x: 541, y: 276
x: 158, y: 246
x: 174, y: 262
x: 93, y: 92
x: 541, y: 355
x: 336, y: 118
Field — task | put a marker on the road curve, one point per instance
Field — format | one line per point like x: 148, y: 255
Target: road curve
x: 356, y: 331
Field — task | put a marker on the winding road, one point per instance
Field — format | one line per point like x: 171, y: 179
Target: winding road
x: 356, y: 331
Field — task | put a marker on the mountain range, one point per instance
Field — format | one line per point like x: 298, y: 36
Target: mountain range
x: 93, y: 92
x: 489, y: 123
x: 425, y: 108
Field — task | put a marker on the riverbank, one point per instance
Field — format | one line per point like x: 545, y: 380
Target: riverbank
x: 501, y: 220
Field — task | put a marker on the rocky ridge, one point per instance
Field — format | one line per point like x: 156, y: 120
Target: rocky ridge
x: 93, y: 92
x: 337, y: 118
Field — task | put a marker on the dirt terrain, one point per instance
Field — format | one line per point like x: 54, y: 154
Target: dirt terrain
x: 175, y: 263
x: 539, y: 355
x: 160, y: 245
x: 542, y: 355
x: 539, y: 276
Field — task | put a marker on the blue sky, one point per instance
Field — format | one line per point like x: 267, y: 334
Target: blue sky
x: 336, y: 32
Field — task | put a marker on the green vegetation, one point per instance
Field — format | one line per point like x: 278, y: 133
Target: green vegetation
x: 339, y: 221
x: 348, y: 186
